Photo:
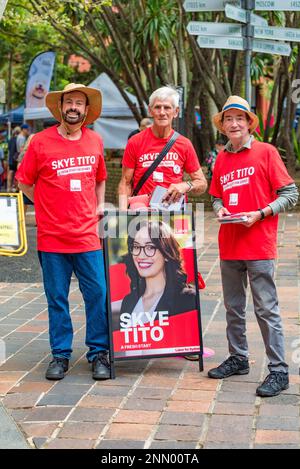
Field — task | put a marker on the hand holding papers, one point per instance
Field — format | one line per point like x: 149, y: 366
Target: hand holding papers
x: 232, y: 218
x: 158, y: 203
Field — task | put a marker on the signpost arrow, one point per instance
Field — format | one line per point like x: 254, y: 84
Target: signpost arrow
x: 272, y: 32
x: 271, y: 47
x: 257, y: 20
x: 226, y: 42
x: 208, y: 5
x: 3, y: 4
x: 277, y: 5
x: 239, y: 14
x: 214, y: 29
x: 221, y: 42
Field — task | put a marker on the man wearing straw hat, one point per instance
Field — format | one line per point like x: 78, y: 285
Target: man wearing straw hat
x: 250, y: 180
x: 64, y: 172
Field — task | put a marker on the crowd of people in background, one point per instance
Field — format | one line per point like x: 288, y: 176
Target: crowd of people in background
x: 11, y: 154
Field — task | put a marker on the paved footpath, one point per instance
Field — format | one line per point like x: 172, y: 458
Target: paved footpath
x: 159, y: 403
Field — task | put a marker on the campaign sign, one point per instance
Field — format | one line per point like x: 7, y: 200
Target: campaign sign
x: 9, y: 229
x: 13, y: 239
x: 153, y: 298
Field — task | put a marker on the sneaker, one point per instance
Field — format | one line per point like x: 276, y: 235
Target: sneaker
x: 232, y: 366
x: 57, y: 368
x: 101, y: 367
x: 274, y: 383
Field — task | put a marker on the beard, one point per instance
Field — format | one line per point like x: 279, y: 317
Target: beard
x: 73, y: 119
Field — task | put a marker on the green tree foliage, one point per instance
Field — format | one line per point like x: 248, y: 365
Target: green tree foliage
x: 22, y: 37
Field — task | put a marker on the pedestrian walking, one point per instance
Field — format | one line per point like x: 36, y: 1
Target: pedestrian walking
x: 63, y: 172
x: 22, y: 138
x: 250, y: 179
x: 12, y: 158
x: 26, y: 201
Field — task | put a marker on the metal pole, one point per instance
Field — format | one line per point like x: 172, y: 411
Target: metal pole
x: 54, y: 74
x: 248, y: 53
x: 248, y: 33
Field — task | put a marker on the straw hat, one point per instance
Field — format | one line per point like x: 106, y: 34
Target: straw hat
x: 236, y: 102
x: 53, y: 101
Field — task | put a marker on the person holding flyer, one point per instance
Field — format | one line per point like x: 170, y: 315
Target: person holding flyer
x: 63, y: 172
x: 250, y: 180
x: 143, y: 149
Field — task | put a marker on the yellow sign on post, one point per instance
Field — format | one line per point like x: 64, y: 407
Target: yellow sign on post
x: 13, y: 239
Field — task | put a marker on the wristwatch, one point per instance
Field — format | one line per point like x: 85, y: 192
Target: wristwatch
x: 262, y: 213
x: 190, y: 184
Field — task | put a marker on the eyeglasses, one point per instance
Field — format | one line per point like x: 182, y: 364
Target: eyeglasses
x: 149, y: 250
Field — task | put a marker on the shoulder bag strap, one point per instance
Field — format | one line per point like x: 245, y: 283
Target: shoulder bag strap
x: 155, y: 163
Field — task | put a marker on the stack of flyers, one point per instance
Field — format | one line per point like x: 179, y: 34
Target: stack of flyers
x: 233, y: 218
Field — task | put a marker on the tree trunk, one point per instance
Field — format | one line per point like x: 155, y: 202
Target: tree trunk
x: 282, y: 93
x: 192, y: 101
x: 287, y: 129
x: 271, y: 107
x: 206, y: 130
x: 9, y: 81
x: 239, y: 75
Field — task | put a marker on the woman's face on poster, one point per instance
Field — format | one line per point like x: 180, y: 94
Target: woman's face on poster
x: 148, y: 260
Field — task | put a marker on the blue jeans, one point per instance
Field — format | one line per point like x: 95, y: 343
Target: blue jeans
x: 57, y: 272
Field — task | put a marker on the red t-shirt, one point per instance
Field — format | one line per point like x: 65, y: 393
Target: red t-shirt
x: 142, y: 149
x: 247, y: 181
x: 64, y: 173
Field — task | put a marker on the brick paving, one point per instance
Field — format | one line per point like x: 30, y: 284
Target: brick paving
x: 158, y: 403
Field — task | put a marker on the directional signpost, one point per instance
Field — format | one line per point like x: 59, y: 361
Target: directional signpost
x: 272, y: 47
x: 236, y: 43
x: 252, y: 35
x: 272, y: 32
x: 221, y: 42
x: 235, y: 13
x: 197, y: 28
x: 214, y: 29
x: 257, y: 20
x: 240, y: 14
x: 208, y: 5
x: 277, y: 5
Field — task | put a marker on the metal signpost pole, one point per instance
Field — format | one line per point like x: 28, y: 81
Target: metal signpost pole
x: 248, y: 32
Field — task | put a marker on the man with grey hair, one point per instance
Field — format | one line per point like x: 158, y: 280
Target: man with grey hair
x: 142, y: 149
